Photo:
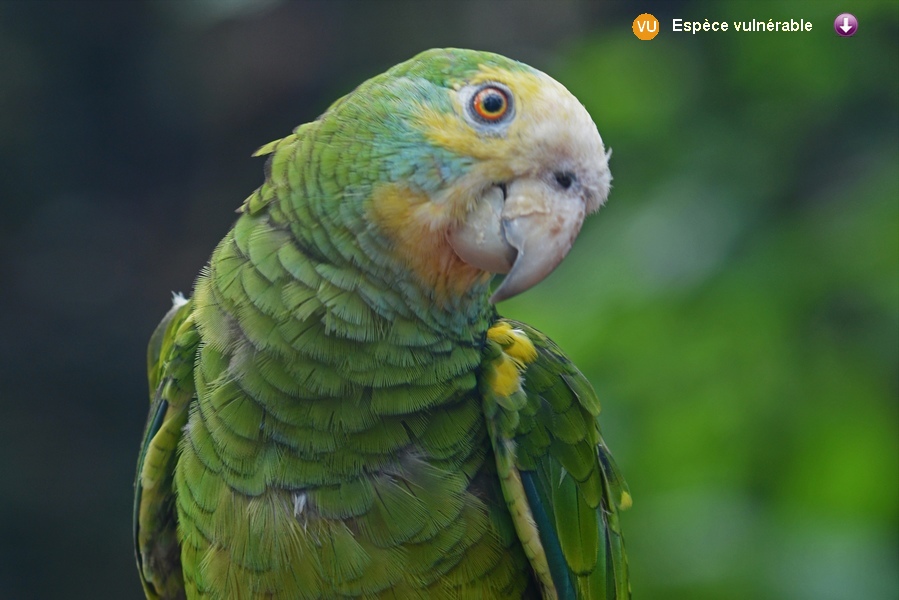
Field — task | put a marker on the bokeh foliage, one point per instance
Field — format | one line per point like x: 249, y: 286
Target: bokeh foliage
x: 736, y: 304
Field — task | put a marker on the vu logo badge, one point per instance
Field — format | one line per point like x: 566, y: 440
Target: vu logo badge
x: 646, y: 26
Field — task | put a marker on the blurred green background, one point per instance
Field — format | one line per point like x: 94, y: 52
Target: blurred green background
x: 736, y: 304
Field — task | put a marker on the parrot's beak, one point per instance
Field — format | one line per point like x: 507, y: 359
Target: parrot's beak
x: 524, y: 228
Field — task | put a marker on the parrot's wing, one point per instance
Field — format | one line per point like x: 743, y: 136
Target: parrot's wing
x: 170, y: 363
x: 558, y: 477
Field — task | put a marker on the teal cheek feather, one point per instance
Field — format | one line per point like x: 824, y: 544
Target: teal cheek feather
x: 410, y: 157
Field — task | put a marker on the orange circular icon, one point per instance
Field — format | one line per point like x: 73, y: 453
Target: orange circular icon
x: 646, y: 26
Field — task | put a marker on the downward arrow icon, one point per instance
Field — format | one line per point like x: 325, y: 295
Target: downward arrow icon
x: 845, y: 25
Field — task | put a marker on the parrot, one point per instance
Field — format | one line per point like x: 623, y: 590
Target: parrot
x: 339, y: 411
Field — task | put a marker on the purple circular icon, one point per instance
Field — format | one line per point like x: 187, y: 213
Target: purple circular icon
x: 845, y: 25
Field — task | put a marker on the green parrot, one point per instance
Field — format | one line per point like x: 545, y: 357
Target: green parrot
x: 338, y: 411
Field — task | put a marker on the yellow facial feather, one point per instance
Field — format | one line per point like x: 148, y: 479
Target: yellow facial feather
x: 494, y: 156
x: 549, y: 124
x: 549, y: 127
x: 453, y: 132
x: 417, y: 227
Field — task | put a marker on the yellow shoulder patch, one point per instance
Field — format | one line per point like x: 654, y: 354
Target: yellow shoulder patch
x: 517, y: 352
x: 514, y: 342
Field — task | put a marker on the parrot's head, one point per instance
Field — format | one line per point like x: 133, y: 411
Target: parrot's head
x: 486, y: 166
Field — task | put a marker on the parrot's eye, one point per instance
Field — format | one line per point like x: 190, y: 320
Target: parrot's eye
x: 490, y: 104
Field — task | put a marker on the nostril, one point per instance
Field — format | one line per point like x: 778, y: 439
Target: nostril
x: 565, y: 179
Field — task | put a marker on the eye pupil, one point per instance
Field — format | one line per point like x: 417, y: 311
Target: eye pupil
x: 493, y: 103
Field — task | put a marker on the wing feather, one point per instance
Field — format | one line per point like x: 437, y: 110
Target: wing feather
x: 571, y: 485
x: 170, y: 362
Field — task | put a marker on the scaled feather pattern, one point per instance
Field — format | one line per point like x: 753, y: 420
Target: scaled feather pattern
x: 338, y: 410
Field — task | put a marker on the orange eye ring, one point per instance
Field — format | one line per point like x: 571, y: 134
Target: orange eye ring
x: 490, y: 104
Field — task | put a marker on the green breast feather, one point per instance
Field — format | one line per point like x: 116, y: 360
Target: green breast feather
x: 338, y: 411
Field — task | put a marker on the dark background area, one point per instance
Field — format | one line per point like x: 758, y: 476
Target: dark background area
x: 736, y: 304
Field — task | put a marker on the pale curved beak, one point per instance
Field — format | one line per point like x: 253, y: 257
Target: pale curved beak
x: 525, y: 232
